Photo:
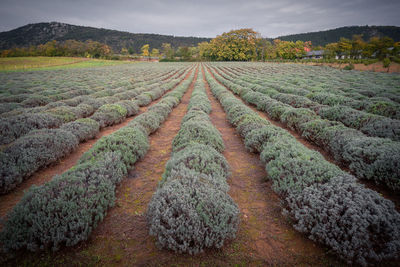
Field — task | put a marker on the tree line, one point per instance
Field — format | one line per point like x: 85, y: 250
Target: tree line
x: 236, y: 45
x: 69, y: 48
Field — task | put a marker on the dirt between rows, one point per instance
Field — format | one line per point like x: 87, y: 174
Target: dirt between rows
x: 9, y: 200
x: 383, y: 190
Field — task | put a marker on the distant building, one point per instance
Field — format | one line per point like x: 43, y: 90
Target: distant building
x: 315, y: 54
x: 342, y: 56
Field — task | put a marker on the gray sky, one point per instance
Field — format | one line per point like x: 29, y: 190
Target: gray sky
x: 204, y: 18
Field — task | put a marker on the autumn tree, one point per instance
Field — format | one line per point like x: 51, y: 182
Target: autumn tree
x: 236, y: 45
x: 204, y: 50
x: 357, y: 45
x: 124, y: 51
x: 145, y: 50
x: 289, y: 49
x: 155, y: 52
x: 380, y: 47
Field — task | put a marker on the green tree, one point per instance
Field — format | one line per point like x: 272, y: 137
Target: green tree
x: 167, y: 51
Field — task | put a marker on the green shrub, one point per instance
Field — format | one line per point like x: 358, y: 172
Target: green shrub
x: 109, y: 114
x: 198, y: 132
x: 36, y: 100
x: 196, y: 115
x: 131, y: 143
x: 249, y: 122
x: 150, y: 121
x: 6, y: 107
x: 357, y: 223
x: 143, y: 99
x: 294, y: 117
x: 131, y: 107
x: 200, y: 158
x: 386, y: 62
x: 31, y: 152
x: 188, y: 214
x: 349, y: 67
x: 65, y: 210
x: 14, y: 127
x: 83, y: 129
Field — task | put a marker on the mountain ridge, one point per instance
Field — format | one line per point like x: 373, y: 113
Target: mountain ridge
x: 333, y: 35
x: 40, y: 33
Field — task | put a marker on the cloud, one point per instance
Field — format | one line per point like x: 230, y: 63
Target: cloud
x: 202, y: 18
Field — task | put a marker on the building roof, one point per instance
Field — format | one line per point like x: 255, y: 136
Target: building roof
x: 315, y: 53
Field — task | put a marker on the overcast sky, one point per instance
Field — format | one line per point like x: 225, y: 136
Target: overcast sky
x: 204, y: 18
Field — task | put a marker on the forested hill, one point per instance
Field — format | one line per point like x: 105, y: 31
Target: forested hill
x: 331, y: 36
x: 40, y: 33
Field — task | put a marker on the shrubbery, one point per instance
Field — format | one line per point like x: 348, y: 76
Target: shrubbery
x: 13, y: 127
x: 31, y: 152
x: 109, y: 114
x: 355, y: 222
x: 368, y: 157
x: 191, y: 209
x: 67, y: 209
x: 83, y: 129
x: 323, y: 201
x: 188, y: 214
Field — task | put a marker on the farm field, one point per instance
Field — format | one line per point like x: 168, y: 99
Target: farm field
x: 51, y: 63
x: 199, y: 164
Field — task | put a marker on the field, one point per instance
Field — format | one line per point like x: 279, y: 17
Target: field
x: 199, y: 164
x: 51, y: 63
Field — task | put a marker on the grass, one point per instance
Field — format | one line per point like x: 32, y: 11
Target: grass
x: 16, y: 64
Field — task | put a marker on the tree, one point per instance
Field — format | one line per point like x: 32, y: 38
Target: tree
x: 236, y: 45
x: 204, y: 50
x: 155, y: 52
x: 345, y: 46
x: 290, y: 50
x: 167, y: 51
x: 145, y: 50
x: 184, y: 53
x: 331, y: 50
x: 358, y: 45
x: 261, y: 47
x: 379, y: 47
x: 124, y: 51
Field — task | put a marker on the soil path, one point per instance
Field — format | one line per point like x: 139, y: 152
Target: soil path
x: 387, y: 193
x: 8, y: 201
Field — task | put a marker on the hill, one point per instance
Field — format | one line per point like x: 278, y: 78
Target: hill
x: 331, y: 36
x: 40, y: 33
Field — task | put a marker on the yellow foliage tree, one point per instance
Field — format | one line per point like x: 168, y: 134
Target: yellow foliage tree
x: 145, y: 50
x: 236, y: 45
